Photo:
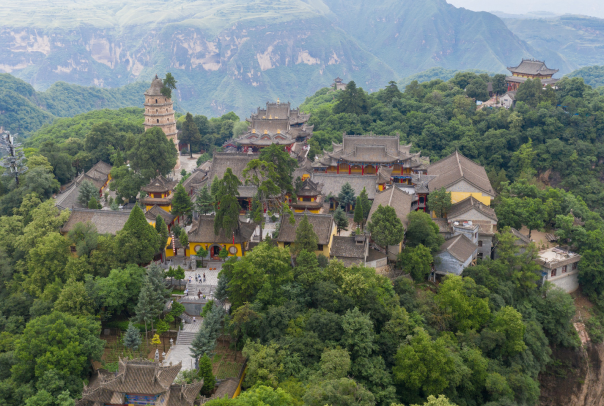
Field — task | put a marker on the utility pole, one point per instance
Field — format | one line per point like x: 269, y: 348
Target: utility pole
x: 14, y: 161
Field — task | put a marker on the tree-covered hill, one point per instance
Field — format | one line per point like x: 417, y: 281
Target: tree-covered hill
x: 592, y: 75
x: 24, y: 110
x: 561, y: 132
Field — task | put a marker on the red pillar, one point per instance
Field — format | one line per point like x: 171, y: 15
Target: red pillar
x: 402, y: 169
x: 362, y: 169
x: 338, y: 170
x: 349, y: 169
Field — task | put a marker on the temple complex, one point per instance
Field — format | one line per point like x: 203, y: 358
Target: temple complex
x: 367, y: 154
x: 159, y: 112
x: 139, y: 382
x: 276, y: 124
x: 530, y: 69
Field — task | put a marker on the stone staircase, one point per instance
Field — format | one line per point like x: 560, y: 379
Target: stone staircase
x: 185, y: 338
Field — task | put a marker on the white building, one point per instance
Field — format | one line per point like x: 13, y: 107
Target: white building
x: 560, y: 267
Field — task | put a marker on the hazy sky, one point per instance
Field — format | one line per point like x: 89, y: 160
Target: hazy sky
x: 593, y: 8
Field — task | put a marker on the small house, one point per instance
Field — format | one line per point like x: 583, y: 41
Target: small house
x: 354, y: 250
x: 560, y: 267
x: 323, y: 226
x: 455, y: 255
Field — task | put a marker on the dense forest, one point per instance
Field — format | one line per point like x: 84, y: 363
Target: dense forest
x: 316, y: 333
x: 24, y: 110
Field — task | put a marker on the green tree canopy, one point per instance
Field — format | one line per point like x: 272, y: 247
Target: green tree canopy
x: 152, y: 154
x: 352, y: 100
x: 439, y: 202
x: 385, y: 227
x: 138, y: 240
x: 306, y: 238
x: 189, y: 133
x: 421, y: 229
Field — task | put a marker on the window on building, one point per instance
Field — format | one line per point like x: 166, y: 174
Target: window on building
x: 320, y: 247
x: 155, y: 100
x: 553, y: 273
x: 475, y: 235
x: 575, y: 266
x: 480, y: 243
x: 422, y: 199
x: 564, y: 268
x: 158, y: 120
x: 479, y: 255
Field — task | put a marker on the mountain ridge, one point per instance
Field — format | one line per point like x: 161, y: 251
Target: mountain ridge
x: 229, y: 55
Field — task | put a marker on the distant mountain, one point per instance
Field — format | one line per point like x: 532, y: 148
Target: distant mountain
x: 234, y: 55
x: 578, y: 40
x: 24, y: 110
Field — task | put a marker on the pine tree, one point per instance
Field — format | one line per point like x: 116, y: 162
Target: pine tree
x: 215, y: 188
x: 352, y: 100
x: 204, y: 342
x: 87, y: 192
x: 184, y: 240
x: 346, y: 196
x: 306, y: 238
x: 359, y: 217
x: 181, y: 202
x: 205, y: 373
x: 162, y: 231
x: 204, y: 202
x: 189, y: 133
x: 138, y: 240
x: 223, y: 254
x: 385, y: 227
x: 227, y: 215
x: 144, y: 307
x: 221, y: 292
x: 339, y: 217
x: 132, y: 339
x: 365, y: 202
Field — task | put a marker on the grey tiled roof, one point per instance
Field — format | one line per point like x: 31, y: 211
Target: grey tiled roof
x: 140, y: 377
x: 521, y: 237
x: 395, y: 198
x: 154, y: 211
x: 68, y: 199
x: 456, y: 167
x: 532, y: 67
x: 159, y: 184
x: 322, y: 225
x: 346, y: 247
x: 470, y: 203
x: 460, y: 247
x: 332, y: 184
x: 195, y: 181
x: 105, y: 221
x: 203, y: 231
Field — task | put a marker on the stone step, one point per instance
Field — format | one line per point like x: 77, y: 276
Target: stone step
x: 185, y: 338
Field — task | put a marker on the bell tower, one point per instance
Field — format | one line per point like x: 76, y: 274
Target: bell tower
x: 159, y: 112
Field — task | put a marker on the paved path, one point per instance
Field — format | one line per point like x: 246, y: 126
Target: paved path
x: 182, y: 353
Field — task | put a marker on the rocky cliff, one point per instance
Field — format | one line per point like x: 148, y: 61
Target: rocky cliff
x: 233, y: 55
